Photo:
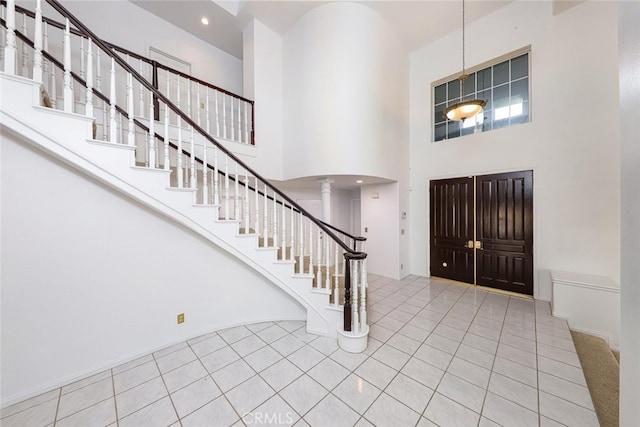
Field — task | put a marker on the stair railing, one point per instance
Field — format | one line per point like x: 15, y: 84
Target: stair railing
x: 232, y: 116
x: 198, y: 162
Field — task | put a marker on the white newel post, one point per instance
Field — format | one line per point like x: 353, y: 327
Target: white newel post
x: 37, y: 44
x: 113, y: 125
x: 363, y: 294
x: 10, y: 50
x: 68, y: 91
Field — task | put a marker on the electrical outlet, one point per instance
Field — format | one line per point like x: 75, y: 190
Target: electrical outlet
x: 180, y: 318
x: 202, y: 105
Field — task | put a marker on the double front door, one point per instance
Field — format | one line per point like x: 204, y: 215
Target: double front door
x: 482, y: 230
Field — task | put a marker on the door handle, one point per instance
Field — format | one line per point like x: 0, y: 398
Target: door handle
x: 478, y: 244
x: 469, y: 244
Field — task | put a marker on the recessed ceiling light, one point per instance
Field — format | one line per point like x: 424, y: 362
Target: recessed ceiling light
x: 359, y: 181
x: 204, y: 20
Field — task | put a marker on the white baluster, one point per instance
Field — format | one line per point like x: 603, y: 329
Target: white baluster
x: 25, y: 54
x: 89, y: 95
x: 10, y: 50
x: 68, y: 91
x: 327, y: 283
x: 205, y: 167
x: 239, y: 122
x: 265, y: 215
x: 363, y: 295
x: 336, y: 279
x: 319, y: 281
x: 189, y: 113
x: 257, y: 215
x: 292, y: 241
x: 232, y: 124
x: 192, y: 161
x: 217, y: 114
x: 224, y: 116
x: 141, y: 90
x: 246, y: 123
x: 99, y: 88
x: 275, y: 219
x: 284, y: 232
x: 45, y: 63
x: 186, y: 169
x: 301, y: 243
x: 131, y: 136
x: 246, y: 201
x: 167, y: 160
x: 37, y: 44
x: 236, y: 194
x: 226, y: 187
x: 82, y: 63
x: 310, y: 246
x: 216, y: 185
x: 153, y: 158
x: 179, y: 124
x: 113, y: 136
x: 205, y: 144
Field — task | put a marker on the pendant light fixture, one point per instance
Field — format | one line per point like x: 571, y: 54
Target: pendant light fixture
x: 464, y: 109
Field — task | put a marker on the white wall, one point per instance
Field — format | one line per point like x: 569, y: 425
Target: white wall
x: 137, y: 30
x: 345, y: 94
x: 379, y: 213
x: 91, y: 279
x: 629, y: 48
x: 571, y: 143
x: 262, y: 52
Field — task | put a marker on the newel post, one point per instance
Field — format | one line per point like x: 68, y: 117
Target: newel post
x: 347, y: 293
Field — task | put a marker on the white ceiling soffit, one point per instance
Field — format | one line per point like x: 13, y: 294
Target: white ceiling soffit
x: 416, y: 22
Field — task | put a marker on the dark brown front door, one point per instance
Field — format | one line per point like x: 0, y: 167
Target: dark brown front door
x: 500, y: 228
x: 504, y: 228
x: 452, y: 228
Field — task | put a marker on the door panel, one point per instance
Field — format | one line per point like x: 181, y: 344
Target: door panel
x: 504, y: 211
x: 451, y: 228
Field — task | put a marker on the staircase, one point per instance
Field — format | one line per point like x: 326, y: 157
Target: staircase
x: 138, y: 141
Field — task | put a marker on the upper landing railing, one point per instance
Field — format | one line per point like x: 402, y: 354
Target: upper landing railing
x: 231, y: 116
x: 184, y: 145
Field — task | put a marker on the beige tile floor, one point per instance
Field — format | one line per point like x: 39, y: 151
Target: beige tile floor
x: 439, y: 353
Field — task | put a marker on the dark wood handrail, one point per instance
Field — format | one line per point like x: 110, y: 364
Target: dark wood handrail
x: 349, y: 253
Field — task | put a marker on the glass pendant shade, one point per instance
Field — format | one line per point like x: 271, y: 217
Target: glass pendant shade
x: 465, y: 109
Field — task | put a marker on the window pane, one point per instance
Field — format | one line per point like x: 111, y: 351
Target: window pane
x: 501, y: 73
x: 486, y: 95
x: 520, y: 91
x: 500, y: 97
x: 438, y: 113
x: 487, y: 123
x: 440, y: 132
x: 469, y: 86
x: 520, y: 66
x: 440, y: 93
x: 453, y: 89
x: 484, y: 79
x: 523, y: 117
x: 453, y: 129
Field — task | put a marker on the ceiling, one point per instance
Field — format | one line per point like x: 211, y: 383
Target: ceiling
x: 416, y: 22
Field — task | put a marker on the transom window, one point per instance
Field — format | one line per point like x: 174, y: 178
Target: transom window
x: 505, y: 87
